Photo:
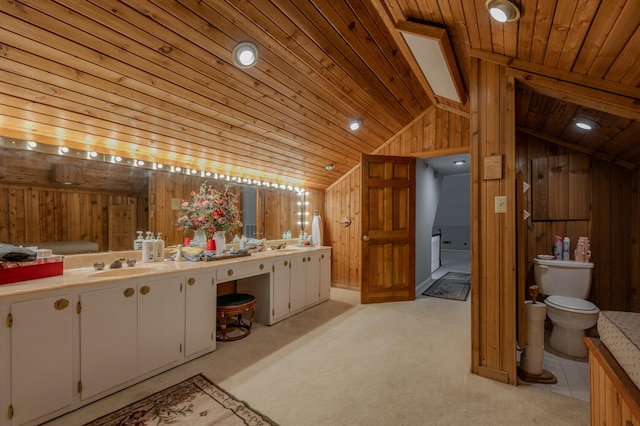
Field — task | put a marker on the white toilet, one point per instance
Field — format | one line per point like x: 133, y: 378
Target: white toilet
x: 567, y: 284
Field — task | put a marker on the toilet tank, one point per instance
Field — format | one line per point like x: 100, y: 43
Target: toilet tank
x: 563, y: 277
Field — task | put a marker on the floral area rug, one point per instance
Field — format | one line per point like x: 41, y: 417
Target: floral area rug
x: 453, y: 285
x: 196, y: 401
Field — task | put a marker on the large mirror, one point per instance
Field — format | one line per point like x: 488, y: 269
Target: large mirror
x: 74, y: 200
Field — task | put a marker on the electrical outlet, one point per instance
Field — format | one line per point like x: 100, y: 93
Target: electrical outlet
x: 501, y: 204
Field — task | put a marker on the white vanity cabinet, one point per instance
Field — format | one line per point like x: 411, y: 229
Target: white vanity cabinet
x: 41, y: 357
x: 280, y: 294
x: 161, y: 319
x: 129, y: 330
x: 200, y: 326
x: 325, y: 273
x: 298, y: 283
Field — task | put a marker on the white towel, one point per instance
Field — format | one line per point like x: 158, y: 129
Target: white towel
x: 316, y: 231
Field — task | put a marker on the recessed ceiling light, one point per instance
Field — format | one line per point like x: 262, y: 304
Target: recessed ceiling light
x: 355, y: 124
x: 503, y: 10
x: 585, y: 123
x: 245, y: 54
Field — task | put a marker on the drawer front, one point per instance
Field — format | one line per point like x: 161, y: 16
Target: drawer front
x: 241, y: 270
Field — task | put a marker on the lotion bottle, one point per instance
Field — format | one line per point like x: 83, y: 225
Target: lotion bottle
x: 566, y: 247
x: 148, y: 251
x: 159, y: 247
x: 137, y: 243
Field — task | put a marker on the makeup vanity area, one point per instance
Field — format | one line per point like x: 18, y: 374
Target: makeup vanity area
x: 71, y: 339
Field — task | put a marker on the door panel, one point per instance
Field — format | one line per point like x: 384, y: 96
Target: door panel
x: 388, y: 229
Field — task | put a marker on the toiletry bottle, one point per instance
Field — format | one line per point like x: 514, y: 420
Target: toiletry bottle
x: 557, y: 248
x: 137, y: 243
x: 148, y: 251
x: 159, y: 244
x: 243, y: 242
x: 566, y: 246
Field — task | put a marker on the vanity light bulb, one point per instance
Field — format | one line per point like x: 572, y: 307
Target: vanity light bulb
x: 64, y: 149
x: 207, y: 174
x: 117, y: 159
x: 93, y: 154
x: 178, y: 169
x: 32, y: 144
x: 159, y: 166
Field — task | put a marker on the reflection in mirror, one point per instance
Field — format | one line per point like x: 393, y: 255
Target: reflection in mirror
x: 60, y: 198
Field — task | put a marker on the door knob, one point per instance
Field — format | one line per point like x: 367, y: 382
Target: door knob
x: 365, y: 238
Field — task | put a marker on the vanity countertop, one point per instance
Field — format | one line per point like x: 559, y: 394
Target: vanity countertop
x: 79, y: 276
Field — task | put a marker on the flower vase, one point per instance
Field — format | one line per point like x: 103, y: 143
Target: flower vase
x: 199, y: 239
x: 221, y: 240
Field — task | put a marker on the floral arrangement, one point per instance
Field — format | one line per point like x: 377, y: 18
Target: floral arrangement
x: 210, y: 210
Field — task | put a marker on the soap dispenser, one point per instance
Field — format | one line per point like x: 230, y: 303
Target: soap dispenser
x: 148, y: 250
x: 159, y: 247
x: 137, y: 243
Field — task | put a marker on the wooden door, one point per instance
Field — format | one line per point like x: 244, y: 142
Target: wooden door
x: 122, y: 222
x: 388, y: 229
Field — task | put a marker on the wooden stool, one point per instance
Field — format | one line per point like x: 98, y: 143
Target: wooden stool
x: 230, y: 305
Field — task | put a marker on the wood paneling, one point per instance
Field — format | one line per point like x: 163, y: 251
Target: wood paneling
x: 611, y: 225
x: 155, y: 78
x: 493, y: 239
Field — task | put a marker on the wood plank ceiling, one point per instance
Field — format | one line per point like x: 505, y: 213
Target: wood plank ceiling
x: 154, y: 79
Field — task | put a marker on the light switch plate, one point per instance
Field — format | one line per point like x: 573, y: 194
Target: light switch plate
x: 501, y: 204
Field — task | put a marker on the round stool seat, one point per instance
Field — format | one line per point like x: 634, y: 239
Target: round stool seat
x: 230, y: 309
x: 235, y: 299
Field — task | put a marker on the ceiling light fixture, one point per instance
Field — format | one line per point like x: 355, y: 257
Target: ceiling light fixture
x: 459, y: 162
x: 585, y: 123
x: 329, y: 167
x: 503, y: 10
x: 245, y: 54
x: 355, y: 124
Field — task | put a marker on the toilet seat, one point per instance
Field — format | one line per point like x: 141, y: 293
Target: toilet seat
x: 571, y: 304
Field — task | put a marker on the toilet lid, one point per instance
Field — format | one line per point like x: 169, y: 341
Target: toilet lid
x: 571, y: 303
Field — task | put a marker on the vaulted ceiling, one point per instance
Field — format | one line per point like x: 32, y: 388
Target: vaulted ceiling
x: 154, y: 79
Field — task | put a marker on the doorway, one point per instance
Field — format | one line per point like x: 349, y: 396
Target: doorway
x: 443, y: 198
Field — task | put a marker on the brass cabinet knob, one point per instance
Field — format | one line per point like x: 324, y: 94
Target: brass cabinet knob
x: 322, y: 256
x: 365, y: 238
x: 230, y: 272
x: 309, y: 259
x: 304, y: 259
x: 145, y: 289
x: 61, y: 304
x: 286, y: 263
x: 191, y: 281
x: 129, y: 292
x: 261, y: 267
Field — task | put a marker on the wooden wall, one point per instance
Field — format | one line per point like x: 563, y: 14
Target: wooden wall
x: 611, y: 225
x: 35, y: 208
x: 436, y: 132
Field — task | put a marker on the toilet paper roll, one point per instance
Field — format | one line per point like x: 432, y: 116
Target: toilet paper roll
x: 535, y: 311
x: 532, y: 359
x: 535, y: 337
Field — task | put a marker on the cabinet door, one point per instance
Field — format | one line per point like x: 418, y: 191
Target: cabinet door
x: 108, y: 338
x: 281, y: 274
x: 325, y: 274
x: 200, y: 313
x: 160, y: 323
x: 313, y: 278
x: 42, y: 354
x: 298, y: 282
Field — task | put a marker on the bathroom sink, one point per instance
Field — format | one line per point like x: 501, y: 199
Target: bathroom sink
x: 124, y: 272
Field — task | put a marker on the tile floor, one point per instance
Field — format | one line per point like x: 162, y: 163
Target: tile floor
x: 572, y: 374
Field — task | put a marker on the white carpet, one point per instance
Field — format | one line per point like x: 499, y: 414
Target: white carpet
x: 341, y: 363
